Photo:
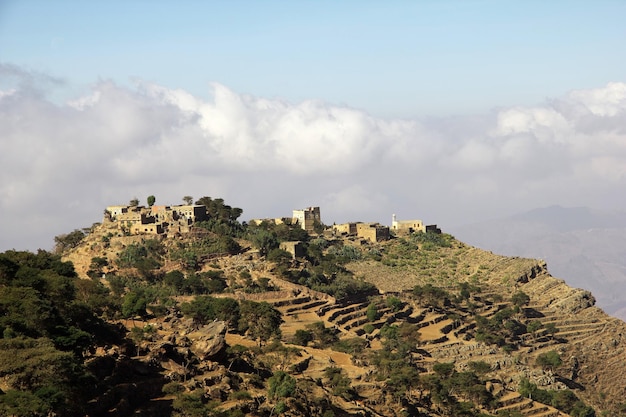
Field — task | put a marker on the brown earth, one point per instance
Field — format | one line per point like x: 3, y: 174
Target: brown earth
x: 591, y: 344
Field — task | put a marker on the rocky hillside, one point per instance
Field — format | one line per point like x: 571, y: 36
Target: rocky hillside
x: 419, y: 325
x: 581, y: 245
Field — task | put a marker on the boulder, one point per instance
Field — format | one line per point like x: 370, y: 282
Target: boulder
x: 209, y: 340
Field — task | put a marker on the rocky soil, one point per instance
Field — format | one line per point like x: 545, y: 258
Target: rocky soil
x: 591, y: 343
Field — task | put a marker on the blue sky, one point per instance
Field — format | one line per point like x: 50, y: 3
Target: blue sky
x: 447, y: 111
x: 392, y: 59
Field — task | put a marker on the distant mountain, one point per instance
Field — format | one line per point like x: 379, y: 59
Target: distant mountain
x: 584, y: 246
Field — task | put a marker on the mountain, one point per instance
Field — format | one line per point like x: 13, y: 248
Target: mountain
x: 215, y: 319
x: 586, y: 247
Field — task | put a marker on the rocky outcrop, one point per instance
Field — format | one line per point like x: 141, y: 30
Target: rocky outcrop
x: 532, y: 272
x: 574, y: 301
x: 209, y: 340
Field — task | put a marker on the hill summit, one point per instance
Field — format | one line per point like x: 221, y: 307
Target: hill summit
x: 207, y: 316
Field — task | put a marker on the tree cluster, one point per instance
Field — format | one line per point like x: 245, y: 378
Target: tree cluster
x: 260, y: 321
x: 46, y: 329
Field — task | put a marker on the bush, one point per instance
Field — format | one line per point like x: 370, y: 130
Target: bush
x: 172, y: 388
x: 68, y: 241
x: 281, y: 385
x: 240, y: 395
x: 372, y: 312
x: 279, y: 255
x: 303, y: 337
x: 394, y: 303
x: 352, y: 346
x: 549, y: 360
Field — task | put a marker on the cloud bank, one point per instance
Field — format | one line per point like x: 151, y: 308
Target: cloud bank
x: 62, y: 163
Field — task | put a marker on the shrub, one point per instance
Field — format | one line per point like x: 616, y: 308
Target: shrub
x: 173, y: 388
x: 372, y: 312
x: 549, y: 360
x: 240, y: 395
x: 303, y: 337
x: 281, y: 385
x: 352, y: 346
x: 394, y: 303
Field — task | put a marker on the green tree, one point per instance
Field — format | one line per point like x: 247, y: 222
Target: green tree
x: 260, y: 320
x: 56, y: 378
x: 134, y: 304
x: 372, y: 312
x: 303, y: 337
x: 192, y: 405
x: 394, y: 303
x: 151, y: 200
x: 134, y: 202
x: 188, y: 200
x: 479, y: 367
x: 445, y: 370
x: 339, y: 382
x: 281, y: 385
x: 551, y: 329
x: 17, y: 403
x: 520, y: 299
x: 264, y: 241
x: 68, y: 241
x: 580, y: 409
x: 402, y: 379
x: 325, y: 336
x: 174, y: 279
x: 534, y: 326
x: 96, y: 267
x: 549, y: 360
x: 564, y: 400
x: 204, y: 309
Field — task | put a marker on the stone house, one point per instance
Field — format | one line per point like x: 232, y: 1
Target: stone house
x: 156, y: 219
x: 348, y: 229
x: 295, y: 248
x: 276, y: 221
x: 432, y: 228
x: 307, y: 218
x: 406, y: 226
x: 412, y: 226
x: 374, y: 232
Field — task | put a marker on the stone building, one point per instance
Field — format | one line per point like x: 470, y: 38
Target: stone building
x: 295, y: 248
x: 374, y: 232
x: 307, y: 218
x: 276, y: 221
x: 407, y: 226
x: 432, y: 228
x: 348, y: 229
x: 156, y: 219
x: 412, y: 226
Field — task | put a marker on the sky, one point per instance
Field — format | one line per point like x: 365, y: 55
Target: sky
x: 452, y: 112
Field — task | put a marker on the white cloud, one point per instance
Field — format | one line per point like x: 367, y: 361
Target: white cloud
x: 60, y: 164
x: 607, y: 101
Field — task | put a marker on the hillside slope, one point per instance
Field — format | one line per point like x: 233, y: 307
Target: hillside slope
x: 440, y: 302
x: 581, y: 245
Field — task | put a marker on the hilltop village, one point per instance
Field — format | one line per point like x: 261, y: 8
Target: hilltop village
x: 177, y: 219
x: 185, y: 310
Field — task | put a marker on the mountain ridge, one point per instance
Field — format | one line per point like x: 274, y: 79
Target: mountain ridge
x: 221, y: 321
x: 582, y: 245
